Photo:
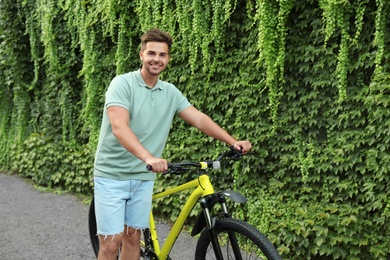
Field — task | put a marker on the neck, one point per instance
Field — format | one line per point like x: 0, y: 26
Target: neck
x: 149, y: 79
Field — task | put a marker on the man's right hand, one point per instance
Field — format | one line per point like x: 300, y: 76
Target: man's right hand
x: 157, y: 164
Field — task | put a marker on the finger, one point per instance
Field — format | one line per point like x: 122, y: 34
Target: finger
x: 237, y: 147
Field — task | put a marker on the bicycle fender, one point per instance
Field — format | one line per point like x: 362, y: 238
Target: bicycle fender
x: 200, y: 222
x: 234, y: 196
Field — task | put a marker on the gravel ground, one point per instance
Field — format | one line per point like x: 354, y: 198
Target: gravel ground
x: 39, y: 225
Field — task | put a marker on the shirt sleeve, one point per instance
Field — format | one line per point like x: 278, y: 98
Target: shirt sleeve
x: 181, y: 101
x: 118, y: 93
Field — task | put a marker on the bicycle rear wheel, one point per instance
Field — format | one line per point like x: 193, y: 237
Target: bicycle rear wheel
x: 237, y: 240
x: 92, y: 228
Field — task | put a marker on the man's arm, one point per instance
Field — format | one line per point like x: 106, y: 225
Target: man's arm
x: 205, y: 124
x: 119, y: 119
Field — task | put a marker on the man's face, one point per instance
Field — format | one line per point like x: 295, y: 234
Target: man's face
x: 155, y: 57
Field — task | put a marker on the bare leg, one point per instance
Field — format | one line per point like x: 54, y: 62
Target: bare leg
x: 109, y: 246
x: 131, y: 244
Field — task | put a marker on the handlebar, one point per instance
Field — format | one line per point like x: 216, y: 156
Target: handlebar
x: 179, y: 167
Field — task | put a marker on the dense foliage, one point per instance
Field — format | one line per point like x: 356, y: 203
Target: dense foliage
x: 306, y: 81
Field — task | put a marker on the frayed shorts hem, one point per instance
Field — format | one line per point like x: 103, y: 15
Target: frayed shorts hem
x: 122, y: 232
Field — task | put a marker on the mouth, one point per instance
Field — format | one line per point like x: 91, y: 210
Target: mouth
x: 155, y: 66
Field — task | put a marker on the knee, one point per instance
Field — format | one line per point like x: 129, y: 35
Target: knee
x: 132, y: 235
x: 109, y: 245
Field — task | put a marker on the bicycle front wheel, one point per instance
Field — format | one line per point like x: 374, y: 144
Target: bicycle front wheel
x: 237, y: 240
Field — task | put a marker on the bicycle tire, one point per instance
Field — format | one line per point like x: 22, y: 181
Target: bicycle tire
x: 260, y: 246
x: 93, y: 228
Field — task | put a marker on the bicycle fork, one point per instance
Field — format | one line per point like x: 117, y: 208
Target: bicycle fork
x: 207, y: 204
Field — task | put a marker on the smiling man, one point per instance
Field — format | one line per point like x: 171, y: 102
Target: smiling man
x: 137, y: 117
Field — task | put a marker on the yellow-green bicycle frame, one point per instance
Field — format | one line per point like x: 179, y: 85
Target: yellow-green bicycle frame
x: 203, y: 187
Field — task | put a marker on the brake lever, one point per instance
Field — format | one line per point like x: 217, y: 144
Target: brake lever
x: 174, y: 170
x: 236, y: 154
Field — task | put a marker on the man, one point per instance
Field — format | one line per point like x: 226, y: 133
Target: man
x: 137, y: 117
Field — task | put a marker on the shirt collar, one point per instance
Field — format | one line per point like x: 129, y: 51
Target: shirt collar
x: 142, y: 83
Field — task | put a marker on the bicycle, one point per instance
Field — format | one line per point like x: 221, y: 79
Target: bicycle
x: 221, y: 236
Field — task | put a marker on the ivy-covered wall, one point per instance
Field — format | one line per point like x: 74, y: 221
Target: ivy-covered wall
x: 307, y: 81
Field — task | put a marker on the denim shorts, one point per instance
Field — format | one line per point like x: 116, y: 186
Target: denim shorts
x: 120, y: 203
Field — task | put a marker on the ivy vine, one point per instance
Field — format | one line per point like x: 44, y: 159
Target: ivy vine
x: 305, y: 81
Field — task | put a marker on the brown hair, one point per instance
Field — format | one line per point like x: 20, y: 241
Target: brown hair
x: 156, y: 35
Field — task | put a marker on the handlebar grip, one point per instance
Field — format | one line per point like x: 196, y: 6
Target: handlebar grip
x: 149, y: 167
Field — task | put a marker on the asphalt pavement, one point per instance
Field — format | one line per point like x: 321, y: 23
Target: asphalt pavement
x: 38, y: 225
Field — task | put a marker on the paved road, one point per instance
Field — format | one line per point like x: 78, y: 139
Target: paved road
x: 35, y: 225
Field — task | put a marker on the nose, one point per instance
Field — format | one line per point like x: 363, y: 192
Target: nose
x: 157, y: 58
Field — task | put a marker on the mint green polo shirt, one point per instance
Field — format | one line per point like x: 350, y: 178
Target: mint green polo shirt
x: 151, y: 113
